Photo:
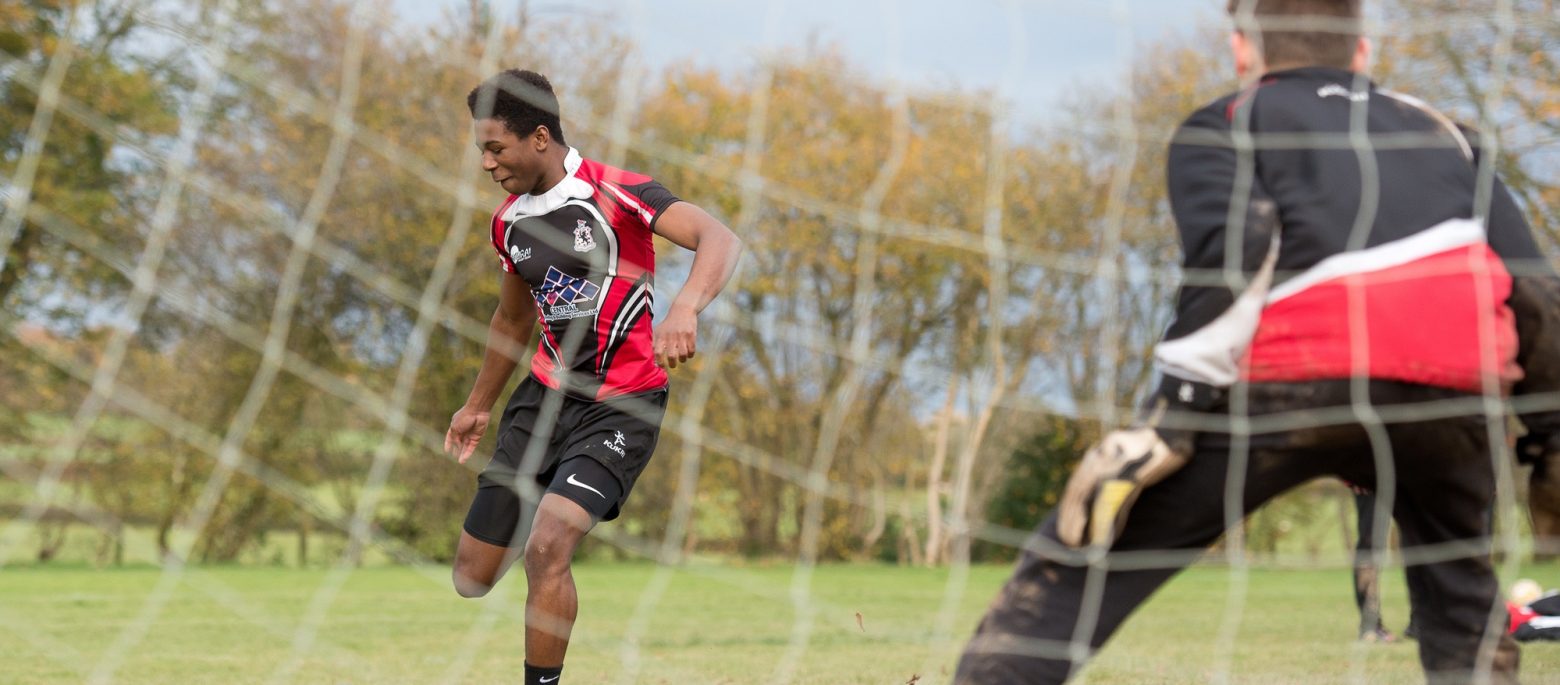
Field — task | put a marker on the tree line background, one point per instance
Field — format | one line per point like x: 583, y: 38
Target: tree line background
x: 227, y: 269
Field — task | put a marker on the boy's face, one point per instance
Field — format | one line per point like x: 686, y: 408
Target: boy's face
x: 516, y: 164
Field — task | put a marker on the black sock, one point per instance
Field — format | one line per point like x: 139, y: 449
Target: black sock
x: 536, y: 675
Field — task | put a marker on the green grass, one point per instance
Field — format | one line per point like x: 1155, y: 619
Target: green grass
x: 714, y: 625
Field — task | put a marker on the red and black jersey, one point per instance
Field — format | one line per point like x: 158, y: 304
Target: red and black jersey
x: 585, y: 249
x: 1332, y: 229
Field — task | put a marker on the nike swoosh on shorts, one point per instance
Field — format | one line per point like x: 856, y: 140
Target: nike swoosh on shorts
x: 570, y: 480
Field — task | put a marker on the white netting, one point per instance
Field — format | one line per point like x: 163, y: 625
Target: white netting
x: 258, y: 309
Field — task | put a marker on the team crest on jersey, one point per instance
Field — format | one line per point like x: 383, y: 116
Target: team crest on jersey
x: 583, y: 240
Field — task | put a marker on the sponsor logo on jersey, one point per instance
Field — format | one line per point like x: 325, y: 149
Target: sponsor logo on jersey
x: 617, y: 443
x: 1335, y: 90
x: 561, y: 294
x: 518, y: 255
x: 583, y: 240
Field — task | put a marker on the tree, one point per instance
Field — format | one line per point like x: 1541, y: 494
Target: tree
x: 57, y: 57
x: 1033, y: 479
x: 1096, y: 294
x: 836, y: 295
x: 1493, y: 71
x: 361, y: 215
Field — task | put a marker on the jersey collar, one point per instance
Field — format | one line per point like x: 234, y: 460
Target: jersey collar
x: 572, y: 187
x: 1318, y: 73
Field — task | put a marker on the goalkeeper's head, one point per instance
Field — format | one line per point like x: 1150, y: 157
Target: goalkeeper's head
x: 1273, y: 35
x: 523, y: 100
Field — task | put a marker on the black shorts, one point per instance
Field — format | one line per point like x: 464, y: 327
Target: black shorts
x: 616, y: 436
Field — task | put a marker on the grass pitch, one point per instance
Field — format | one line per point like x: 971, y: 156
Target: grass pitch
x: 712, y: 625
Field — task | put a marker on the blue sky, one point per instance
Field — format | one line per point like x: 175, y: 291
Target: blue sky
x: 1030, y: 52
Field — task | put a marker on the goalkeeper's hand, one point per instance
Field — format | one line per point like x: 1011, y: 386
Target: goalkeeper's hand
x: 1108, y: 480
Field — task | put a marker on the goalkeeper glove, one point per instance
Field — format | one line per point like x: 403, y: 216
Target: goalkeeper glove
x: 1107, y: 482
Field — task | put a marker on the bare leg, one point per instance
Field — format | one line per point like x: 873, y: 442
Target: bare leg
x: 479, y: 565
x: 551, y: 602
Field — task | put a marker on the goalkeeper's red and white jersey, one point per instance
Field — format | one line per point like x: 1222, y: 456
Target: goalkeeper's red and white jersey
x: 585, y: 249
x: 1312, y: 253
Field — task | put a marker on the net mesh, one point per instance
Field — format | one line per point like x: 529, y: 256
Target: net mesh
x: 260, y: 315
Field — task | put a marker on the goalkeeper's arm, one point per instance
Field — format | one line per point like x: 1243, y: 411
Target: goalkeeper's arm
x: 1217, y: 311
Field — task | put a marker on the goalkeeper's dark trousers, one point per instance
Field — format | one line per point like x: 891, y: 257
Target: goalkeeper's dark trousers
x: 1427, y: 455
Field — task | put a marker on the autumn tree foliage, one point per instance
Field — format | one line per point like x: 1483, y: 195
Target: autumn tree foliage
x: 942, y: 299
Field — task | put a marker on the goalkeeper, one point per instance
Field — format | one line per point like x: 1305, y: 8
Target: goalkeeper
x: 1346, y: 311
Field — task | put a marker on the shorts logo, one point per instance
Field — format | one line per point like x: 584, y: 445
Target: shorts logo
x: 572, y: 481
x: 518, y: 255
x: 617, y: 443
x: 583, y: 240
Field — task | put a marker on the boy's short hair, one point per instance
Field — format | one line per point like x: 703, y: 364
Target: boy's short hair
x: 522, y: 99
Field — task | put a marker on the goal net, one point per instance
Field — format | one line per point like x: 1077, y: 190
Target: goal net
x: 247, y: 279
